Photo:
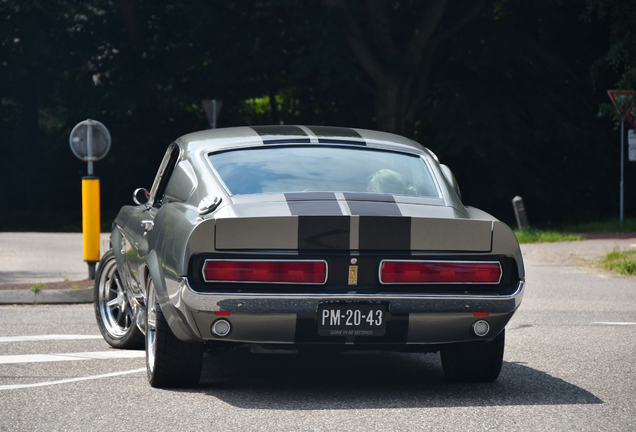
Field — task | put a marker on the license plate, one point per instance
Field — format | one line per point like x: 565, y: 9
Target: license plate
x: 351, y: 320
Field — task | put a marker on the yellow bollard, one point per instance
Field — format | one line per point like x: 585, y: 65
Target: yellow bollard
x: 91, y: 223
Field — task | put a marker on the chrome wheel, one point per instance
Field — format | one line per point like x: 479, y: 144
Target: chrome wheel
x: 115, y: 316
x: 151, y: 328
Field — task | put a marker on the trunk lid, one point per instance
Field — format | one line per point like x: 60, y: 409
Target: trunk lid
x: 343, y: 221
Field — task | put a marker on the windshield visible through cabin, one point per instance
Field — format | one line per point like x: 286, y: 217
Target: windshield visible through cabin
x: 337, y: 169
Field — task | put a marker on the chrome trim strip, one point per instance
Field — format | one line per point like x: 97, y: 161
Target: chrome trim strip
x: 267, y: 260
x: 356, y: 296
x: 162, y: 171
x: 308, y: 303
x: 431, y: 171
x: 440, y: 283
x: 215, y: 173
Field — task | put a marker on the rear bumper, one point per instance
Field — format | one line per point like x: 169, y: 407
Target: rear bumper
x: 287, y: 318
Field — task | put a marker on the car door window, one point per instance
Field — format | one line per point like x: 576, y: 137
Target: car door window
x: 168, y: 163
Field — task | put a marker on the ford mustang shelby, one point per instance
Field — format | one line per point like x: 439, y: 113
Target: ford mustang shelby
x: 306, y: 238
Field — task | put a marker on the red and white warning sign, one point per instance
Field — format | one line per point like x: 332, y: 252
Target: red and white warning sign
x: 623, y: 101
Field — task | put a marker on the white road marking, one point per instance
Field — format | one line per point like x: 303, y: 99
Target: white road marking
x: 615, y: 323
x: 47, y: 337
x: 47, y: 383
x: 97, y: 355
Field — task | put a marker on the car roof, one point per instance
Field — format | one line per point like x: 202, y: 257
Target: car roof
x: 249, y: 136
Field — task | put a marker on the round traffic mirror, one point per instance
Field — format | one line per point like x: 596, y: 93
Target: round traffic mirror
x: 90, y: 140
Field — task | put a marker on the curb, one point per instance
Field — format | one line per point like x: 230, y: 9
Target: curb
x: 53, y: 296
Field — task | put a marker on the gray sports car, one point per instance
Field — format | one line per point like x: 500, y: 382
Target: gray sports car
x: 306, y: 238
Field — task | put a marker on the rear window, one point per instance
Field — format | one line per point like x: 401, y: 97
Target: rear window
x: 337, y: 169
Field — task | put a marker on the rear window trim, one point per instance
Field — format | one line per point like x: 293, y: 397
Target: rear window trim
x: 206, y: 156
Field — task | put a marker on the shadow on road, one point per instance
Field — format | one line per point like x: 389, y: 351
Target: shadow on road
x: 388, y: 380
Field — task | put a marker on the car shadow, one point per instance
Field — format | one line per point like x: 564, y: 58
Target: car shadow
x: 356, y: 381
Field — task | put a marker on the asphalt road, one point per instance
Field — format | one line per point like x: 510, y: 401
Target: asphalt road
x: 43, y: 257
x: 569, y: 365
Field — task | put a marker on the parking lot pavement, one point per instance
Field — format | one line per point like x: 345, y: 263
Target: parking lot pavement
x: 42, y: 257
x: 568, y: 366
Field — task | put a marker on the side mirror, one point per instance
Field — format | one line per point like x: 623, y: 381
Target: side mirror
x: 141, y: 196
x: 451, y: 179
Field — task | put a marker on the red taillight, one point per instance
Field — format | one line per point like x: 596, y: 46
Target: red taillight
x: 396, y: 272
x: 308, y: 272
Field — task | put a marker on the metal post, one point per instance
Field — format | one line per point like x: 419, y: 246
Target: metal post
x: 97, y: 139
x: 89, y: 145
x: 520, y: 212
x: 622, y: 164
x: 91, y: 222
x: 213, y: 113
x: 90, y: 207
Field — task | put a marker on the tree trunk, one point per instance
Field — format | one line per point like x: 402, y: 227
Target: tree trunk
x: 391, y: 100
x: 131, y: 22
x: 400, y: 73
x: 399, y: 99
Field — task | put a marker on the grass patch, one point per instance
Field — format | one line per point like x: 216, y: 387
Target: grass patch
x: 534, y: 235
x: 36, y: 289
x: 621, y: 262
x: 613, y: 225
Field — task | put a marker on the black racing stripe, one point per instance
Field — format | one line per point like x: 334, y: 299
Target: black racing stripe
x: 370, y: 204
x: 337, y: 135
x: 323, y: 232
x: 366, y: 196
x: 340, y: 141
x: 313, y: 204
x: 314, y: 208
x: 310, y: 196
x: 369, y: 208
x: 279, y: 131
x: 385, y: 233
x: 287, y: 141
x: 334, y: 132
x: 282, y: 134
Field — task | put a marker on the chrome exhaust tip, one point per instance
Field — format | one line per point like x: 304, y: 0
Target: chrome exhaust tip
x: 480, y: 328
x: 221, y: 328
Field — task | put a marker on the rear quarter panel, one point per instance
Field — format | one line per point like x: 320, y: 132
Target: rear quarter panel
x: 167, y: 262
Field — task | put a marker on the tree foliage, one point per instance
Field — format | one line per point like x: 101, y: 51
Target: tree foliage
x: 501, y: 90
x: 620, y: 15
x: 620, y: 58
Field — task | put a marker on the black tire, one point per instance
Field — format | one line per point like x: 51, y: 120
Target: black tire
x: 473, y: 361
x: 115, y: 317
x: 170, y: 362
